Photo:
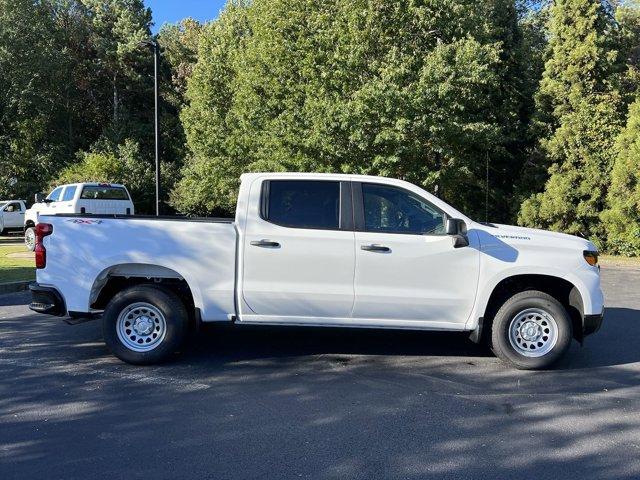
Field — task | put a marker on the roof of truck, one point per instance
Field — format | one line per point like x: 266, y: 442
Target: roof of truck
x: 336, y: 176
x: 92, y: 184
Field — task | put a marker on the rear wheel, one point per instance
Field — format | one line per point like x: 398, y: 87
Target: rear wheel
x: 30, y: 238
x: 532, y: 330
x: 145, y: 324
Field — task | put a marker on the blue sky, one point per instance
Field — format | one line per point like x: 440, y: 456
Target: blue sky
x: 171, y: 11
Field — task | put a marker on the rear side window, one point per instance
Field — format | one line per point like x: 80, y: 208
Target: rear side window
x: 104, y: 193
x: 68, y: 194
x: 302, y: 203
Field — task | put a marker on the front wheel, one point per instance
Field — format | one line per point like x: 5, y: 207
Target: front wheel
x: 532, y: 330
x: 144, y: 324
x: 30, y: 238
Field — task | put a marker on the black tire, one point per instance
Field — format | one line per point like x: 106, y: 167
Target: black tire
x: 530, y: 300
x: 174, y: 332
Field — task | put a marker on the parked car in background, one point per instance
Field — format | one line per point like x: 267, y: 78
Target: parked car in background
x: 321, y: 250
x: 12, y: 214
x: 85, y: 198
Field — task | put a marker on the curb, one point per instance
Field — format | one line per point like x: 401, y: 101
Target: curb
x: 11, y: 287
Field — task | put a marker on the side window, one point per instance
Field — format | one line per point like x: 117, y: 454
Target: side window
x: 55, y: 195
x: 16, y: 207
x: 69, y: 193
x: 302, y: 203
x: 395, y: 210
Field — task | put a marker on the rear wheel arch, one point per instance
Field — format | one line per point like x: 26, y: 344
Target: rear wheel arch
x: 560, y: 289
x: 120, y: 277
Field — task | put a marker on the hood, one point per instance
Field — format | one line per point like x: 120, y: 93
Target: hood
x: 512, y: 234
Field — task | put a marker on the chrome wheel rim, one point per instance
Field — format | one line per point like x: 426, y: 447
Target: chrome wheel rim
x: 141, y: 327
x: 30, y: 239
x: 533, y: 332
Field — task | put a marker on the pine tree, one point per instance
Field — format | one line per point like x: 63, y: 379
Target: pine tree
x: 622, y: 218
x: 582, y: 110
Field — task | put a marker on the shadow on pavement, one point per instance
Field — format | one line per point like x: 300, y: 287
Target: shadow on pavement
x: 272, y: 402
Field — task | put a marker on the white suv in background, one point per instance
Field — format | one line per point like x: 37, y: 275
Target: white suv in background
x: 81, y: 198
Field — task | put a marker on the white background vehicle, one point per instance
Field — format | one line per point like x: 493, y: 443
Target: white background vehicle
x: 89, y: 198
x: 322, y: 250
x: 12, y: 214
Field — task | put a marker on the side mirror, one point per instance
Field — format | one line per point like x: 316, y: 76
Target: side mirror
x: 457, y: 229
x: 39, y: 197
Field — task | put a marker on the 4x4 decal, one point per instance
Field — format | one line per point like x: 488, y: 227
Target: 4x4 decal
x: 85, y: 221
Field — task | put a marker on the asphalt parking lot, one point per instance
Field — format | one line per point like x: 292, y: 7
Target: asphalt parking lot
x: 272, y: 403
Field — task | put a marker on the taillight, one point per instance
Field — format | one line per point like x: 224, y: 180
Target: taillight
x: 42, y: 230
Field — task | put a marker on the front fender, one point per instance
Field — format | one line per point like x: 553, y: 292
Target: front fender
x: 589, y: 291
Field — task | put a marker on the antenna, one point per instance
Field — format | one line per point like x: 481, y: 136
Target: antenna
x: 486, y: 190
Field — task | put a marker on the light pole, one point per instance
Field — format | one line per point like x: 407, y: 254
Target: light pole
x: 153, y: 45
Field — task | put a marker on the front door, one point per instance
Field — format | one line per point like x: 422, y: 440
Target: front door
x: 407, y: 269
x: 298, y: 252
x: 13, y: 215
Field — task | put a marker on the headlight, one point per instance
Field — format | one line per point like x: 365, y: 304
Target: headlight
x: 591, y: 256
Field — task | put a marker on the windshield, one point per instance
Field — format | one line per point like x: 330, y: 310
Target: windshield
x: 2, y: 204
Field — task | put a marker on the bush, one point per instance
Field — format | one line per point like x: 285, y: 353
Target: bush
x: 120, y: 164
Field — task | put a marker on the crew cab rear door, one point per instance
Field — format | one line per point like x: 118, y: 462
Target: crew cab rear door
x: 298, y: 251
x: 407, y: 269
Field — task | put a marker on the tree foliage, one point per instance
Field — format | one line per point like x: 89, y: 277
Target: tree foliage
x: 75, y: 77
x: 504, y: 108
x: 123, y: 165
x: 425, y: 92
x: 580, y: 107
x: 622, y: 218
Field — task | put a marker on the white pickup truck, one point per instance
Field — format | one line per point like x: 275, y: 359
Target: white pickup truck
x: 87, y: 198
x: 12, y: 214
x: 321, y: 250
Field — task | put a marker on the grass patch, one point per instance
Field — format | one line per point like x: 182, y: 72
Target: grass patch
x: 615, y: 261
x: 15, y: 269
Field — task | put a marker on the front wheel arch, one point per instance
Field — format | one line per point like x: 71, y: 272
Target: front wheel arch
x: 560, y: 289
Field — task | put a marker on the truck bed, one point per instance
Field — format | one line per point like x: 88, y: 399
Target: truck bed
x: 92, y: 248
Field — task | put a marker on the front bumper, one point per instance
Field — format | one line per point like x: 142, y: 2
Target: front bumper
x: 46, y: 300
x: 591, y: 323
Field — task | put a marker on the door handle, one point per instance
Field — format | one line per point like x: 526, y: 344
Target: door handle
x: 375, y: 248
x: 265, y: 244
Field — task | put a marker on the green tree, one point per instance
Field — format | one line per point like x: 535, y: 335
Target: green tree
x: 122, y: 164
x: 411, y: 90
x: 622, y: 218
x: 581, y: 110
x: 30, y: 81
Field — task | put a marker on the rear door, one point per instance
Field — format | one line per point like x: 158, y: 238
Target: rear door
x: 407, y: 269
x: 65, y: 205
x: 298, y: 252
